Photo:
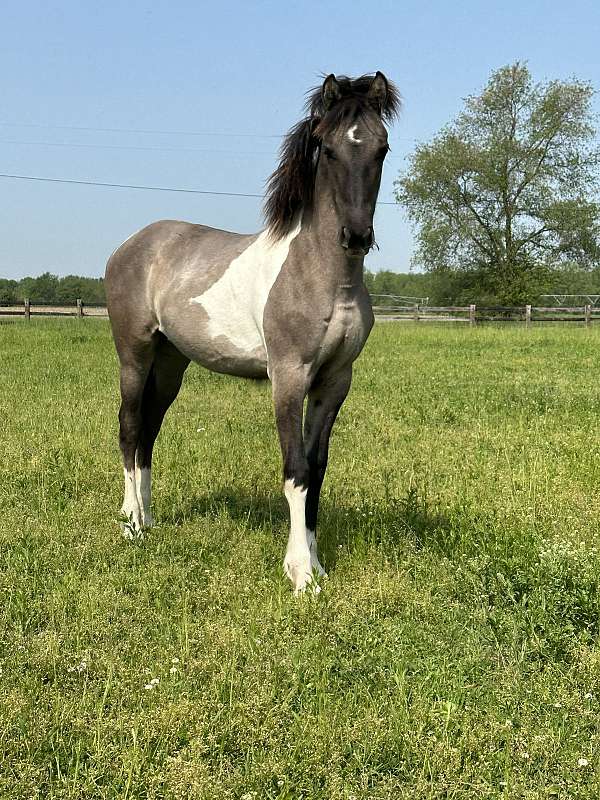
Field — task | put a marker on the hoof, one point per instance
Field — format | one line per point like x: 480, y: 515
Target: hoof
x: 303, y: 575
x: 299, y: 571
x: 315, y: 564
x: 132, y: 529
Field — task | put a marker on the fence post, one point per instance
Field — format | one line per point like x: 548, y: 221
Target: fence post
x: 588, y: 315
x: 27, y: 303
x: 527, y: 316
x: 79, y: 307
x: 416, y: 314
x: 472, y: 310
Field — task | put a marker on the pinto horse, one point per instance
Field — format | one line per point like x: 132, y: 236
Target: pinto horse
x: 288, y: 303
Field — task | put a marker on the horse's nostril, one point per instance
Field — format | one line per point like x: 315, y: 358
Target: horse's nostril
x: 351, y: 239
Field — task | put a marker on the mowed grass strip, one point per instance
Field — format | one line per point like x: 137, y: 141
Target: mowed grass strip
x: 452, y: 652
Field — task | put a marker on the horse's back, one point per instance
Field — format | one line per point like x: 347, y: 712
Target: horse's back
x: 163, y: 250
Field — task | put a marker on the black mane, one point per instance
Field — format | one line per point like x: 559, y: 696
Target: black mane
x: 290, y: 187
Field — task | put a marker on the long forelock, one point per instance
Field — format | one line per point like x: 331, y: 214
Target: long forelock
x: 290, y: 188
x: 356, y: 89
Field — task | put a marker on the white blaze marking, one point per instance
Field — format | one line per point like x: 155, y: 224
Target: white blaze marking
x: 235, y: 303
x: 351, y: 135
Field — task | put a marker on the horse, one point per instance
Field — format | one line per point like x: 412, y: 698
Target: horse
x: 288, y: 303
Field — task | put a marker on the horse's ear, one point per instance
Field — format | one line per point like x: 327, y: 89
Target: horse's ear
x: 378, y: 92
x: 330, y: 92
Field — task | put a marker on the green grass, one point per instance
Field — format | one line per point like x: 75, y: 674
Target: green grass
x: 452, y: 652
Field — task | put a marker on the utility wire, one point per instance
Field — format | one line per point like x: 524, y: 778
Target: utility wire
x: 39, y: 178
x: 160, y: 132
x: 140, y: 130
x: 151, y: 148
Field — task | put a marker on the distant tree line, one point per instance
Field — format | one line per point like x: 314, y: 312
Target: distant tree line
x: 49, y: 288
x: 451, y: 287
x: 442, y: 287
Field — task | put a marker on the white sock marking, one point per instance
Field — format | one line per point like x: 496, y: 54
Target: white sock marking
x: 297, y: 563
x: 143, y: 482
x: 131, y: 506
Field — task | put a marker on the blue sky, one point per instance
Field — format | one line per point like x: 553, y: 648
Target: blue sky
x: 239, y: 69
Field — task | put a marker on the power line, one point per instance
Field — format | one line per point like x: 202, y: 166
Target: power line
x: 150, y: 131
x: 126, y: 186
x: 139, y: 147
x: 140, y: 130
x: 94, y: 145
x: 41, y: 179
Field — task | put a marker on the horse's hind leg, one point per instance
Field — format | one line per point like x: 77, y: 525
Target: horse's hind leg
x: 161, y: 388
x: 325, y: 399
x: 135, y: 367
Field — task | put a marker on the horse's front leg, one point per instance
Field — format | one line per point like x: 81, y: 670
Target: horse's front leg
x: 325, y: 399
x: 289, y: 390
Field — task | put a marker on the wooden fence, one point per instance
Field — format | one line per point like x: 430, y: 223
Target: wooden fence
x: 471, y: 315
x: 27, y: 309
x: 474, y: 314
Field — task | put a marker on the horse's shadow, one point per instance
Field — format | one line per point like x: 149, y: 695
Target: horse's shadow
x: 392, y: 521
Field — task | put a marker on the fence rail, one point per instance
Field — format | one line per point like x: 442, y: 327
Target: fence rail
x: 28, y: 309
x: 474, y: 314
x: 471, y: 314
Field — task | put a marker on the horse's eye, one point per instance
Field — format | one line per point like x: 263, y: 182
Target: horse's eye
x: 329, y: 153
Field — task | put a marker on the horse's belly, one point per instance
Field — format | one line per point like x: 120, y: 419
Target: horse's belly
x: 209, y: 342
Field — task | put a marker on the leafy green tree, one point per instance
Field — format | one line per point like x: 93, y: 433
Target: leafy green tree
x: 42, y: 289
x: 508, y: 190
x: 8, y: 291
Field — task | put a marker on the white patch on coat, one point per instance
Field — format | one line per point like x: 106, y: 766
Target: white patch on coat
x: 297, y: 563
x: 235, y: 303
x: 351, y: 134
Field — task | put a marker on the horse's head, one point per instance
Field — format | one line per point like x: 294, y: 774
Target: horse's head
x: 333, y: 159
x: 353, y: 146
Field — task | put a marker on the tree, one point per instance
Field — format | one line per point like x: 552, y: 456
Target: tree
x: 508, y: 190
x: 8, y: 291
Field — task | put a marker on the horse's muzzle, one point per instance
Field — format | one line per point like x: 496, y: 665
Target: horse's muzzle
x: 357, y: 242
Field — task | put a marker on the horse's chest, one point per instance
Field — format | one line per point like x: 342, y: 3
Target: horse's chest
x: 346, y: 332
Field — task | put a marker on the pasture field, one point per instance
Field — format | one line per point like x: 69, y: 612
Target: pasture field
x: 452, y: 653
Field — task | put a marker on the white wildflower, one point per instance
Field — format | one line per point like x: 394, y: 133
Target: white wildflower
x: 582, y: 762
